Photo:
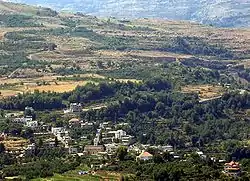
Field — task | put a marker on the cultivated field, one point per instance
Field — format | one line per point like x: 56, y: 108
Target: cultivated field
x: 58, y: 87
x: 205, y: 92
x: 14, y: 144
x: 14, y: 86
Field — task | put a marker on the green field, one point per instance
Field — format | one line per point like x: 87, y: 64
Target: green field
x: 74, y: 176
x: 70, y: 178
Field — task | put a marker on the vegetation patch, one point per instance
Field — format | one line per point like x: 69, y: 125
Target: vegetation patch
x: 205, y: 92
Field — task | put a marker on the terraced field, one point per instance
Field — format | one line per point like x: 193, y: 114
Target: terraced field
x: 68, y: 44
x: 13, y: 86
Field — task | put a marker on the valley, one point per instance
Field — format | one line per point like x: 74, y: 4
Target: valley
x: 97, y: 98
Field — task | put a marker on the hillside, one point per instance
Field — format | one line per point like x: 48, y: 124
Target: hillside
x: 224, y: 13
x: 12, y: 8
x: 177, y: 89
x: 40, y: 48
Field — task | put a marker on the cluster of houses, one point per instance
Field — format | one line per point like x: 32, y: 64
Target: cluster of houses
x: 111, y: 135
x: 27, y: 120
x: 74, y: 122
x: 107, y: 140
x: 62, y: 135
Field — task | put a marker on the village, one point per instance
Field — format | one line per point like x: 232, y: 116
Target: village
x: 108, y: 138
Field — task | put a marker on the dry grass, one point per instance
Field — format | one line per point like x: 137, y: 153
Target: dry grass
x: 157, y: 54
x: 29, y: 85
x: 235, y: 39
x: 142, y: 53
x: 8, y: 93
x: 246, y: 63
x: 204, y: 91
x: 17, y: 8
x: 60, y: 87
x: 22, y: 85
x: 2, y: 33
x: 66, y: 43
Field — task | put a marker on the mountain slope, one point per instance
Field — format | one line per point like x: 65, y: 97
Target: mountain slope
x: 12, y: 8
x: 225, y: 13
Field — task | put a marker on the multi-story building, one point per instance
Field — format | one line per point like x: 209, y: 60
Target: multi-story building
x: 32, y: 124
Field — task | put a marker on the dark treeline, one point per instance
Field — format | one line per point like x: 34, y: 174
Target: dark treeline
x: 40, y: 168
x: 245, y: 74
x: 196, y: 46
x: 39, y: 101
x: 194, y: 62
x: 85, y: 94
x: 15, y: 20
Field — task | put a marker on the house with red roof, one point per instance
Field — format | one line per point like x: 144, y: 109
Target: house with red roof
x: 232, y: 169
x: 144, y: 156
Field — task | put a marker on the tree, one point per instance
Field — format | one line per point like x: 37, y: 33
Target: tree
x: 160, y: 107
x: 2, y: 148
x: 121, y: 153
x: 100, y: 64
x: 56, y: 142
x: 158, y: 159
x: 40, y: 142
x: 167, y: 156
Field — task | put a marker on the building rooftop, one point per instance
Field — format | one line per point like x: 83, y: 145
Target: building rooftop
x: 73, y: 120
x: 145, y: 154
x: 233, y: 164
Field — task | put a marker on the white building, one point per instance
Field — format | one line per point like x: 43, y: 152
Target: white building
x: 73, y: 150
x: 117, y: 134
x: 86, y: 125
x: 111, y: 148
x: 57, y: 130
x: 168, y: 148
x: 22, y: 120
x: 32, y: 124
x: 104, y: 125
x: 30, y: 149
x: 126, y: 139
x: 62, y: 135
x: 75, y: 107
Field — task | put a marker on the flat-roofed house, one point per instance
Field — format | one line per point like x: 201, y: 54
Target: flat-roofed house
x: 75, y: 107
x: 93, y: 149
